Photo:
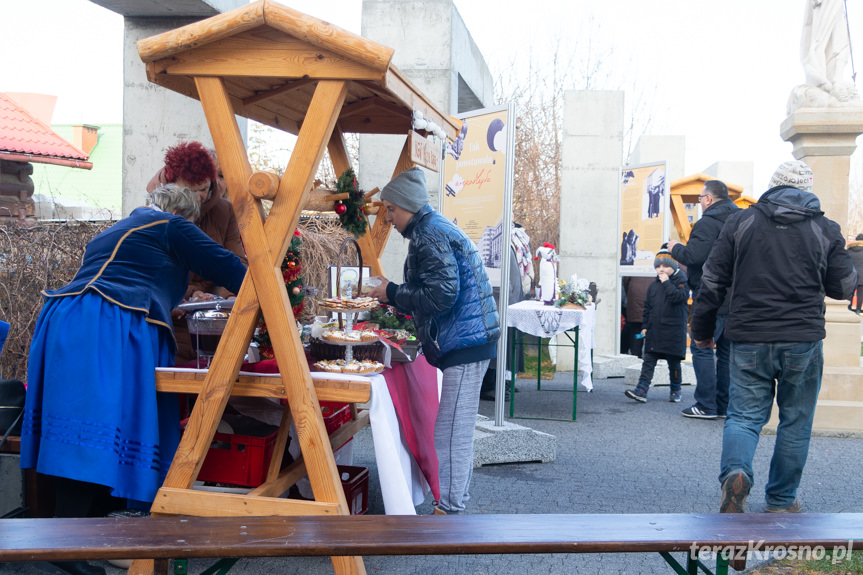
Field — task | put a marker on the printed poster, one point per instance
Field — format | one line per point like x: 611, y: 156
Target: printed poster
x: 644, y: 210
x: 474, y: 179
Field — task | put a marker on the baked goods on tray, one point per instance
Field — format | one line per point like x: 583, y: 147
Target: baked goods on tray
x: 353, y: 336
x: 353, y: 366
x: 346, y: 304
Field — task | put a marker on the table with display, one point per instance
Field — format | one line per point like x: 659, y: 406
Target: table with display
x: 544, y: 321
x: 401, y: 411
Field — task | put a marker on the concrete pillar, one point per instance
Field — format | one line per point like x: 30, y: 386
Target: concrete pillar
x: 434, y: 49
x: 825, y: 139
x: 155, y: 118
x: 590, y: 203
x: 737, y: 173
x: 668, y: 149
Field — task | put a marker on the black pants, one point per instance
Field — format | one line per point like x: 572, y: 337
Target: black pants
x: 675, y: 376
x: 81, y: 499
x: 628, y: 343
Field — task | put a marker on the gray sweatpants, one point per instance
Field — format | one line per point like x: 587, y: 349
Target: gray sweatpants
x: 453, y: 433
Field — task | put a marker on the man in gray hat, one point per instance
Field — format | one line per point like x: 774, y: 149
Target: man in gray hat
x: 446, y: 290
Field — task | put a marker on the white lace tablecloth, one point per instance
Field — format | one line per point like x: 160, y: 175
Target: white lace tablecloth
x: 539, y: 320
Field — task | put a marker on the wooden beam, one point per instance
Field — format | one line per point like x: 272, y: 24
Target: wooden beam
x: 348, y: 391
x: 201, y: 33
x: 681, y: 220
x: 328, y: 37
x: 398, y: 84
x: 214, y: 504
x: 296, y: 470
x: 273, y: 92
x: 265, y: 269
x: 233, y: 58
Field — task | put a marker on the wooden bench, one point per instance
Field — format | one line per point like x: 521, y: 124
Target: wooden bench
x: 180, y: 537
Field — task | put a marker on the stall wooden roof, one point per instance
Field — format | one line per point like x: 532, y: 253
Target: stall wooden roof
x: 271, y: 57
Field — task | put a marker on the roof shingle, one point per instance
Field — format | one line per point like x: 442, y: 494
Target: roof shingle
x: 23, y: 133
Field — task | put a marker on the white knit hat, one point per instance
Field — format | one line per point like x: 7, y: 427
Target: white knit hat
x: 795, y: 173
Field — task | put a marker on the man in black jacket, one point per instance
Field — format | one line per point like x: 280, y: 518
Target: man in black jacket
x: 711, y: 374
x: 779, y: 259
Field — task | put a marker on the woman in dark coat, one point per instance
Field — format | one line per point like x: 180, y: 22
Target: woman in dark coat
x: 663, y: 326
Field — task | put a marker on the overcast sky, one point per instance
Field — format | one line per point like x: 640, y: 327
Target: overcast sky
x: 722, y: 69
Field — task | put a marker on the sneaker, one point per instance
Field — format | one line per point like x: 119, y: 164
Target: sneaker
x: 636, y: 394
x: 793, y: 508
x: 674, y: 397
x: 735, y: 490
x: 698, y: 413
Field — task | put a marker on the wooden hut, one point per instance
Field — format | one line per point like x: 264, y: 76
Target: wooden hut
x: 295, y: 73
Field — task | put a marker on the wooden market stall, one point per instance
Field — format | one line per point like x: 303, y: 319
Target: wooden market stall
x: 295, y: 73
x: 685, y: 192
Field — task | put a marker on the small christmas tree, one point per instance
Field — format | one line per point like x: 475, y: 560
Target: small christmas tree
x: 292, y: 273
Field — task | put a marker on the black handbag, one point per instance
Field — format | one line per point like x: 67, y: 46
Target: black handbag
x: 12, y: 393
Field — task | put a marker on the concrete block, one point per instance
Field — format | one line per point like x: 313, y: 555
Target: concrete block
x: 510, y: 443
x: 11, y: 483
x: 660, y: 374
x: 605, y: 366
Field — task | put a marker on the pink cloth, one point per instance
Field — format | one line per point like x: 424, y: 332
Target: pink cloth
x: 413, y: 388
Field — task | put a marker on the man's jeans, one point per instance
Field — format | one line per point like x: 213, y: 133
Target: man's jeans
x: 711, y: 375
x: 796, y: 369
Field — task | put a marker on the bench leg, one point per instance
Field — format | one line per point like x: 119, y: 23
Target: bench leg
x: 220, y: 567
x: 693, y: 565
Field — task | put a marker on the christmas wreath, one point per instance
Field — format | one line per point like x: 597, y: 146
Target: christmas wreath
x: 292, y: 274
x: 351, y: 210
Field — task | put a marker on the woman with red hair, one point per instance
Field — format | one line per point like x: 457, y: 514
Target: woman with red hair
x: 191, y: 165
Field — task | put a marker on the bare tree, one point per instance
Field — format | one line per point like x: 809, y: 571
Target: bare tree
x: 270, y: 150
x: 537, y: 88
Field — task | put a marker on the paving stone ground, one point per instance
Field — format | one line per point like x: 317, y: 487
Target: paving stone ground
x: 618, y: 457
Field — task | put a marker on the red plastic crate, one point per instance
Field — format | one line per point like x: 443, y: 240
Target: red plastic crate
x: 335, y: 415
x: 355, y: 482
x: 238, y: 459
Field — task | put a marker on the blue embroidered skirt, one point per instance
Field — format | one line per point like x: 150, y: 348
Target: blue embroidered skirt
x: 92, y: 412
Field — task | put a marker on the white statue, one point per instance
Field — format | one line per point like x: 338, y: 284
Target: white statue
x: 546, y: 290
x: 825, y: 50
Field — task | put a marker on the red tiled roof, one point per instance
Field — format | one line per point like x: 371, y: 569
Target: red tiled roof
x: 25, y: 138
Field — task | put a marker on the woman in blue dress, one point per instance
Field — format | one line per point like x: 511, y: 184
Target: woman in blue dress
x: 93, y: 418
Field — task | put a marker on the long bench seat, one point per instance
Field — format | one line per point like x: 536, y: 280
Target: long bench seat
x: 182, y: 537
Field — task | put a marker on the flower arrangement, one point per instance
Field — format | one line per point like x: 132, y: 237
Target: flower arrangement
x: 574, y: 293
x: 388, y: 318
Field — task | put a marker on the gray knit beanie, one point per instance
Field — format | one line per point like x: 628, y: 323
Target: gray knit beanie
x: 407, y: 190
x: 664, y: 257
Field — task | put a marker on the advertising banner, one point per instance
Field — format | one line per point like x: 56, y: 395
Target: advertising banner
x: 643, y: 216
x: 474, y: 180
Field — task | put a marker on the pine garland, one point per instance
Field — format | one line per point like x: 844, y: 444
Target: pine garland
x: 292, y: 274
x: 352, y: 214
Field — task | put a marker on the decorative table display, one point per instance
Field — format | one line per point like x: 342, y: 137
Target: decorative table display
x: 542, y: 321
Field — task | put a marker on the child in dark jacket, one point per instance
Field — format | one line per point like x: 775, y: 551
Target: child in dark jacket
x: 664, y: 326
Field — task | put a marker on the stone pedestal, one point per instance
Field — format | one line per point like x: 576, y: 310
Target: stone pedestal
x: 510, y: 443
x: 825, y: 139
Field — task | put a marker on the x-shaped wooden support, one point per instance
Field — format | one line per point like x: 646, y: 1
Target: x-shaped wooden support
x: 266, y: 241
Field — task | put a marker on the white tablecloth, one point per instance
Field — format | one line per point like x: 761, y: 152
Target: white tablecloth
x: 535, y: 318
